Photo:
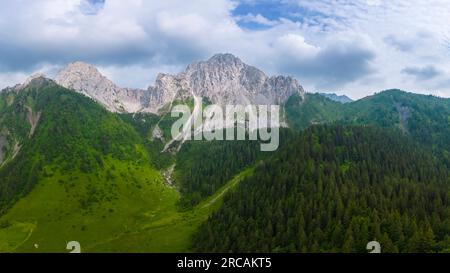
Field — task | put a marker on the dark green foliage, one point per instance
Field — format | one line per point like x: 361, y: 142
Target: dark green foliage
x: 203, y: 167
x: 334, y: 189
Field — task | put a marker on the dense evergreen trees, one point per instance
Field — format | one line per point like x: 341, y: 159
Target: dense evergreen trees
x: 204, y: 166
x: 334, y: 189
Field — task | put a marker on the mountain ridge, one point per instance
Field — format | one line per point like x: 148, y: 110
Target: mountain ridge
x: 335, y: 97
x: 222, y: 79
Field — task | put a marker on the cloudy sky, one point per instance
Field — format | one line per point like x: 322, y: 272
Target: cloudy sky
x: 356, y: 47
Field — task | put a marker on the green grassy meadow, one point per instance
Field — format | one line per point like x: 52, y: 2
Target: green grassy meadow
x: 123, y: 208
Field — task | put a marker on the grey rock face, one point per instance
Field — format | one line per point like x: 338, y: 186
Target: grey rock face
x: 87, y: 80
x: 167, y: 88
x: 223, y: 79
x: 157, y: 133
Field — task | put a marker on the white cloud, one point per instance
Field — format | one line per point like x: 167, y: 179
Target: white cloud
x: 358, y: 46
x: 12, y: 78
x: 258, y: 18
x: 295, y: 45
x: 405, y: 35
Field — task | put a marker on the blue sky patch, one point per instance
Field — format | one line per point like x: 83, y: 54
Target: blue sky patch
x: 92, y: 7
x: 273, y: 11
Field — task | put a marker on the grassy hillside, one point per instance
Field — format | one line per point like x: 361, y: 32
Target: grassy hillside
x: 138, y: 214
x: 71, y: 134
x: 83, y: 174
x: 89, y: 208
x: 172, y: 230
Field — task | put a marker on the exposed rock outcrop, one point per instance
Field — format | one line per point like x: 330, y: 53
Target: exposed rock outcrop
x: 87, y: 80
x: 223, y: 79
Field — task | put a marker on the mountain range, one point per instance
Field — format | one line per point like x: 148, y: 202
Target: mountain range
x: 83, y: 159
x: 223, y: 79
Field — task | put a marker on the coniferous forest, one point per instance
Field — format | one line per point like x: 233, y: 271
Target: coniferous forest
x: 333, y: 189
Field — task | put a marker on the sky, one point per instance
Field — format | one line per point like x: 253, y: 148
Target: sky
x: 352, y: 47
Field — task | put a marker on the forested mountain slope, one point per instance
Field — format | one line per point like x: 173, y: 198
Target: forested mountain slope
x: 333, y: 189
x: 205, y: 166
x: 426, y: 119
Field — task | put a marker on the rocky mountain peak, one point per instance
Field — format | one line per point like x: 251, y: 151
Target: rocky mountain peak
x: 225, y: 59
x: 225, y: 79
x: 83, y: 78
x: 81, y: 67
x: 87, y: 79
x: 222, y: 79
x: 219, y: 61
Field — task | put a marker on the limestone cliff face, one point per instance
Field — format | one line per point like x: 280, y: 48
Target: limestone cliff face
x: 167, y: 88
x: 223, y: 79
x: 87, y: 80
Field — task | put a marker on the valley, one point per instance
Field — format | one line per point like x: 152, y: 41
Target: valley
x: 95, y: 163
